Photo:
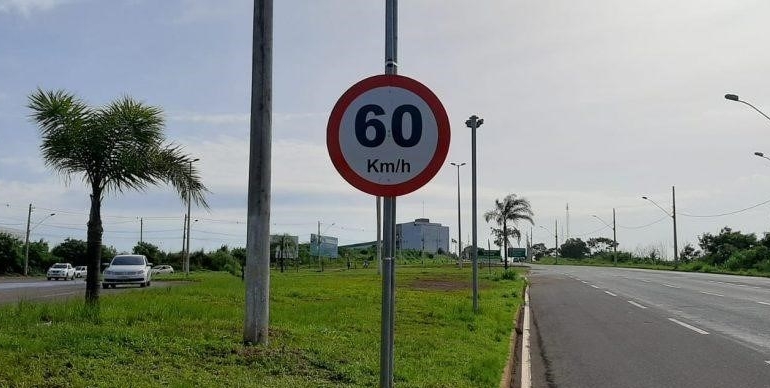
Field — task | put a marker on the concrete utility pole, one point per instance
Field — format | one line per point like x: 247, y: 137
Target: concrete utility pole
x: 26, y: 242
x: 187, y: 248
x: 141, y: 230
x: 556, y: 239
x: 184, y: 243
x: 256, y: 319
x: 474, y: 122
x: 614, y: 239
x: 673, y: 216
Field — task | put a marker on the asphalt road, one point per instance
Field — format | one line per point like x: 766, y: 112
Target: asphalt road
x: 611, y: 327
x: 13, y: 290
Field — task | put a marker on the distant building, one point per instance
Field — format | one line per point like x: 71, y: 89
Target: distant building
x: 422, y: 235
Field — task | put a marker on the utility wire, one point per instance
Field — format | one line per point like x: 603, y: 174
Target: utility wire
x: 645, y: 225
x: 725, y: 214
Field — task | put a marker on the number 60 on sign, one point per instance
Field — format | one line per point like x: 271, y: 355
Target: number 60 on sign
x: 388, y: 135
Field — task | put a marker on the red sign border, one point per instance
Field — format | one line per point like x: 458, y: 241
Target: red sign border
x: 333, y: 135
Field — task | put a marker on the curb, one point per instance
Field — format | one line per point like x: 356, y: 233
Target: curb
x: 507, y: 379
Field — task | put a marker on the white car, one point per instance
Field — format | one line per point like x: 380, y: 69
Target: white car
x: 81, y: 271
x: 61, y: 271
x: 162, y: 269
x: 127, y: 269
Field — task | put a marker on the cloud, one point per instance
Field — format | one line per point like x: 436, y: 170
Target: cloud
x: 27, y: 7
x: 212, y: 119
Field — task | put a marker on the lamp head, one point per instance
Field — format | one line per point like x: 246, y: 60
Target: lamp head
x: 732, y: 97
x: 645, y: 198
x: 761, y: 155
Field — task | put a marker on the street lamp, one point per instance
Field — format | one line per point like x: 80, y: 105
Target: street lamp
x: 459, y: 224
x: 761, y: 155
x: 614, y: 237
x: 734, y: 97
x: 673, y: 217
x: 26, y: 240
x: 473, y: 123
x: 187, y: 248
x: 556, y: 240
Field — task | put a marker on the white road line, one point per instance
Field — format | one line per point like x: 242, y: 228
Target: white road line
x: 669, y: 285
x: 636, y: 304
x: 526, y: 368
x: 764, y: 303
x: 767, y: 362
x: 646, y: 281
x: 59, y: 294
x: 584, y: 282
x: 609, y: 293
x: 711, y: 293
x: 594, y: 286
x: 693, y: 328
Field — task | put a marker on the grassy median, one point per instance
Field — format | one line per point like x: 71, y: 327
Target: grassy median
x: 325, y: 332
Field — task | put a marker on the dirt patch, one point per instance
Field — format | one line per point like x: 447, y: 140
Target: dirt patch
x: 439, y: 285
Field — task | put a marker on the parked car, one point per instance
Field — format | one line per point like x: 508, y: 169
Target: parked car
x: 127, y: 269
x: 81, y: 271
x: 61, y: 271
x: 162, y: 269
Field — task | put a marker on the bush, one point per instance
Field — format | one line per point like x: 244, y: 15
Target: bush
x: 745, y: 259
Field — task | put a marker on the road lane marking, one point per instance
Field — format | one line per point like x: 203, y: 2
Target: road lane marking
x: 711, y: 293
x: 691, y: 327
x: 594, y: 286
x: 609, y: 293
x: 636, y: 304
x: 764, y: 303
x: 584, y: 282
x: 646, y: 281
x: 669, y: 285
x: 767, y: 362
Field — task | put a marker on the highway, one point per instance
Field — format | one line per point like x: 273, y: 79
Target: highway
x: 16, y: 289
x: 613, y: 327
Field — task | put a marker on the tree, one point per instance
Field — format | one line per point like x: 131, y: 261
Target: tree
x: 71, y: 251
x: 574, y: 248
x: 689, y: 254
x: 509, y: 212
x: 717, y: 249
x: 151, y: 251
x: 538, y: 250
x: 113, y: 148
x: 11, y: 253
x: 600, y: 244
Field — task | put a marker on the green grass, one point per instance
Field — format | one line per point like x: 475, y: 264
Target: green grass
x: 325, y: 332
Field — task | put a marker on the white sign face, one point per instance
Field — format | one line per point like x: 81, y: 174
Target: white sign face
x: 378, y: 157
x: 388, y: 135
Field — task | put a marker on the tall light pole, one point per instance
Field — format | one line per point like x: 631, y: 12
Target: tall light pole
x: 734, y: 97
x: 26, y: 240
x: 459, y: 221
x: 187, y: 247
x: 614, y: 237
x: 474, y: 122
x: 673, y: 217
x: 556, y: 240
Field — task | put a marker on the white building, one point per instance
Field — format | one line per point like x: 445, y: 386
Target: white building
x: 422, y: 235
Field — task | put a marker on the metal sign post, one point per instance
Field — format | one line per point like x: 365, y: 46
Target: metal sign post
x: 388, y: 135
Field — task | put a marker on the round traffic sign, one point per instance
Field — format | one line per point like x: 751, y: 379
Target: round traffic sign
x: 388, y: 135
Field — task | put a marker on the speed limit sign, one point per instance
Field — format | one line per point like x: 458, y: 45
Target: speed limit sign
x: 388, y: 135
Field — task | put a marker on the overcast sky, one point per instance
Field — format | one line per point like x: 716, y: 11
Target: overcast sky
x: 593, y: 103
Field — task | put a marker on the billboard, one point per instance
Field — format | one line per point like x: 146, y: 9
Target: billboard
x: 328, y: 246
x: 517, y: 253
x: 284, y: 246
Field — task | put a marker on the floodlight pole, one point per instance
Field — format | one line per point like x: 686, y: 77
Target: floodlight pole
x: 459, y: 221
x: 473, y: 123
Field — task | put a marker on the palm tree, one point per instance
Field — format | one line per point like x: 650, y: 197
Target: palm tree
x: 114, y: 148
x: 507, y: 213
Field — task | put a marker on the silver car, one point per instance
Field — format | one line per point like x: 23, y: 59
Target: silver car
x: 127, y: 269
